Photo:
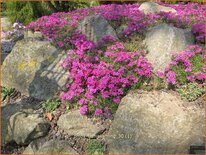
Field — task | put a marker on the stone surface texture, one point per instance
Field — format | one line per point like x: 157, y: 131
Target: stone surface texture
x: 74, y: 124
x: 21, y: 124
x: 95, y: 27
x: 151, y: 7
x: 34, y: 68
x: 155, y: 123
x: 163, y: 40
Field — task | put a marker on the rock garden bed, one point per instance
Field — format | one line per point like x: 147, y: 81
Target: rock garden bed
x: 106, y: 79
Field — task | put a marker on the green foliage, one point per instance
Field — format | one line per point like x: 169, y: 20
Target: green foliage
x: 95, y: 148
x: 117, y: 23
x: 6, y: 92
x: 158, y: 83
x: 104, y: 103
x: 50, y: 105
x: 190, y: 91
x: 61, y: 6
x: 197, y: 63
x: 134, y: 42
x: 25, y: 12
x: 180, y: 74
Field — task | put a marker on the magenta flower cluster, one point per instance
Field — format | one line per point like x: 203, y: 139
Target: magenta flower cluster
x: 97, y: 75
x: 185, y: 60
x: 100, y: 78
x: 59, y: 26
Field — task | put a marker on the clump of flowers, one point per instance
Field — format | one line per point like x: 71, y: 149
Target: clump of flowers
x: 186, y: 66
x: 60, y: 24
x: 99, y: 79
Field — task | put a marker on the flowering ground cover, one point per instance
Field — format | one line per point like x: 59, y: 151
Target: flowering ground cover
x: 101, y: 76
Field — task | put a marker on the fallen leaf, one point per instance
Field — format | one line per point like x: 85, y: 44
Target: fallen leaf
x: 49, y: 115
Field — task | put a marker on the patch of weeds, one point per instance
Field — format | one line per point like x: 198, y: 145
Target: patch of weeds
x: 197, y: 63
x: 158, y: 83
x: 134, y: 42
x: 68, y: 105
x: 117, y: 23
x: 50, y: 105
x: 190, y: 91
x: 181, y: 74
x: 143, y: 83
x: 6, y: 92
x: 95, y: 148
x: 102, y: 103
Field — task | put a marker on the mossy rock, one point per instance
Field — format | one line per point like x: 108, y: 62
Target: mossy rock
x: 33, y: 67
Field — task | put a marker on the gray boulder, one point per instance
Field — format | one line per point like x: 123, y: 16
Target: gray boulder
x: 25, y: 127
x: 162, y: 40
x: 95, y: 27
x: 151, y: 7
x: 5, y: 24
x: 7, y: 45
x: 35, y: 145
x: 56, y: 147
x: 74, y: 124
x: 35, y: 34
x: 33, y: 68
x: 155, y: 123
x: 21, y: 124
x: 120, y: 31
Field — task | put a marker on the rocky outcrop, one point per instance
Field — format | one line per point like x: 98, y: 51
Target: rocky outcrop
x: 42, y: 146
x: 155, y: 123
x: 8, y: 44
x: 25, y: 127
x: 162, y: 40
x: 20, y: 123
x: 5, y: 24
x: 74, y: 124
x: 56, y: 147
x: 33, y: 68
x: 151, y: 7
x: 120, y: 31
x: 95, y: 27
x: 34, y: 146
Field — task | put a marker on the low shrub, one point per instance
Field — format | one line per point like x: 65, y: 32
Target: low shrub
x: 95, y: 148
x: 99, y: 79
x: 191, y: 91
x: 6, y: 92
x: 50, y: 105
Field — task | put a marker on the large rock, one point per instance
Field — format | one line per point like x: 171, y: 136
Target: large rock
x: 74, y: 124
x: 151, y: 7
x: 25, y: 127
x: 33, y: 67
x: 56, y: 147
x: 7, y: 45
x: 43, y: 146
x: 21, y: 124
x: 5, y: 24
x: 35, y: 145
x: 162, y: 40
x: 95, y: 27
x: 155, y: 123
